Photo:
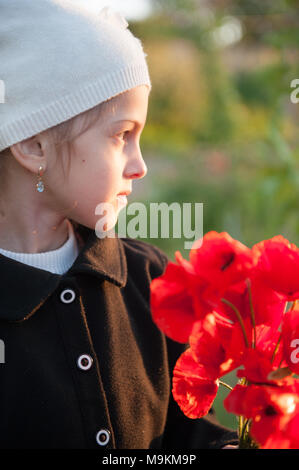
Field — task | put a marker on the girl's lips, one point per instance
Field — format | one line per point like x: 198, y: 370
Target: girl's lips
x: 125, y: 193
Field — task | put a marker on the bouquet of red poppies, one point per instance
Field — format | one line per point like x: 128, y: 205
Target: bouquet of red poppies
x: 236, y: 309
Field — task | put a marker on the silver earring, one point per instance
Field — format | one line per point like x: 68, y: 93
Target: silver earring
x: 40, y: 185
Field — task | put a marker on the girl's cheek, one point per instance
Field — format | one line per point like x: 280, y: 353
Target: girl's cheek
x: 117, y: 142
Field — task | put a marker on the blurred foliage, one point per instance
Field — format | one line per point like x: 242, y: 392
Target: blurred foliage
x: 221, y: 127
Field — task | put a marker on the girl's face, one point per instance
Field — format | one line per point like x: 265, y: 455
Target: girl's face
x: 104, y: 162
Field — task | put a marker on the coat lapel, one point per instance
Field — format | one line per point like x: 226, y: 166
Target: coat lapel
x: 24, y: 288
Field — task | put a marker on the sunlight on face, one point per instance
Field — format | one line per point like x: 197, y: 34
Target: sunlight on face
x: 104, y: 161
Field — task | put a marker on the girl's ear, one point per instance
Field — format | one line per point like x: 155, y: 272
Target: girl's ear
x: 29, y: 153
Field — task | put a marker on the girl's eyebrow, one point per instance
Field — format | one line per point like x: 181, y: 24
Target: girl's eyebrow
x: 129, y: 120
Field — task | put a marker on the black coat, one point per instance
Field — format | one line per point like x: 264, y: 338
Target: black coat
x: 85, y: 366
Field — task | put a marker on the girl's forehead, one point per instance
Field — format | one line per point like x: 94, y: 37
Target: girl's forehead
x: 131, y: 97
x: 128, y: 106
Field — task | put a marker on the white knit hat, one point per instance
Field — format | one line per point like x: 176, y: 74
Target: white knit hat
x: 58, y: 60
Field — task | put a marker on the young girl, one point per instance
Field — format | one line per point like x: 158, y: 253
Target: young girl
x: 83, y: 364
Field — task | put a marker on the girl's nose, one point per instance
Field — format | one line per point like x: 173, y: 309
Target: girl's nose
x: 136, y: 167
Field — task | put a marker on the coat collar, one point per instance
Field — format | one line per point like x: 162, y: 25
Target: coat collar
x: 24, y: 288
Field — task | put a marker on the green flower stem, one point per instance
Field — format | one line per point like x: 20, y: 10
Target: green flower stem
x: 245, y: 428
x: 276, y: 348
x: 227, y: 302
x: 245, y: 440
x: 240, y: 430
x: 251, y: 313
x: 225, y: 385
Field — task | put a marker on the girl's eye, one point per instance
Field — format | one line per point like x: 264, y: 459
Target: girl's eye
x: 123, y: 135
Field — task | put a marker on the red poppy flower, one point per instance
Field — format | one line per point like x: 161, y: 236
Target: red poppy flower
x: 197, y: 286
x: 290, y: 335
x: 276, y: 424
x: 268, y: 306
x: 221, y: 260
x: 244, y: 400
x: 209, y: 335
x: 191, y: 387
x: 269, y: 343
x: 189, y: 290
x: 277, y: 264
x: 258, y: 368
x: 267, y: 357
x: 216, y: 262
x: 273, y: 410
x: 240, y: 340
x: 212, y: 277
x: 172, y: 304
x: 230, y: 349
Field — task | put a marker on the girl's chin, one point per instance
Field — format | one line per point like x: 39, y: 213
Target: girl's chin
x: 107, y: 214
x: 122, y: 201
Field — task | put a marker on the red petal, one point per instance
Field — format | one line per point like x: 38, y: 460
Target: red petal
x: 257, y: 366
x: 191, y: 388
x: 214, y: 333
x: 221, y: 260
x: 268, y: 305
x: 277, y: 264
x: 234, y: 402
x: 204, y: 338
x: 171, y: 304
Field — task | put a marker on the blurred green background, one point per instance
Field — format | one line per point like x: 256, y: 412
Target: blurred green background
x: 221, y: 127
